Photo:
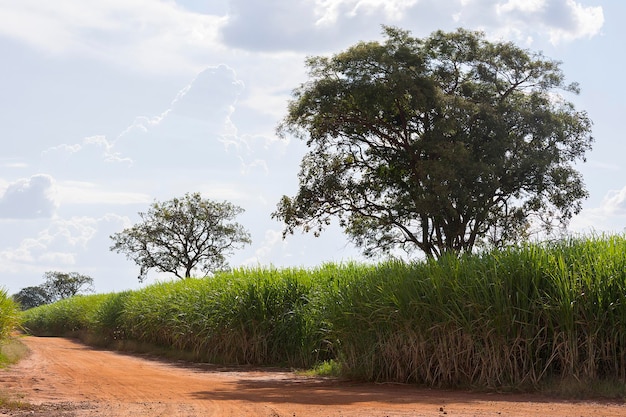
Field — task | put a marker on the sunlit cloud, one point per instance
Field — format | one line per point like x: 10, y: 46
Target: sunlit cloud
x: 62, y: 243
x: 559, y: 20
x: 272, y: 242
x: 143, y: 35
x: 610, y: 215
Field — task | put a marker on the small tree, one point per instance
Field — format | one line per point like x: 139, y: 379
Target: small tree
x: 182, y: 234
x: 61, y: 285
x: 31, y: 297
x: 435, y: 144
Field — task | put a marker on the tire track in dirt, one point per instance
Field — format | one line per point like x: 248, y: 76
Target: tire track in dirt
x: 83, y: 381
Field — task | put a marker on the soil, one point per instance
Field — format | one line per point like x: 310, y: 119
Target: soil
x: 62, y: 377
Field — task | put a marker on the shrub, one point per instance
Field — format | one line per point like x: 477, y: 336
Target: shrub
x: 9, y: 315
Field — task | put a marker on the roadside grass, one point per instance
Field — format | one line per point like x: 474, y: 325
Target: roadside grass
x: 330, y: 369
x: 12, y: 350
x: 571, y: 388
x: 503, y: 319
x: 259, y: 316
x: 9, y: 315
x: 67, y: 317
x: 8, y: 404
x: 512, y: 319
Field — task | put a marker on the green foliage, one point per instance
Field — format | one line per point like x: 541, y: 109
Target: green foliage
x: 503, y: 318
x: 57, y: 286
x: 60, y: 285
x: 9, y: 315
x: 12, y: 350
x: 181, y: 234
x: 435, y: 144
x: 261, y: 316
x: 329, y: 368
x: 256, y: 316
x: 108, y: 316
x: 69, y: 316
x: 31, y: 297
x: 512, y: 318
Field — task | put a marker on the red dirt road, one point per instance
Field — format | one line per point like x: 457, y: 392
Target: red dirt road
x: 71, y: 379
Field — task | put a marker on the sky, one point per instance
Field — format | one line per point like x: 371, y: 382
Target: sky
x: 109, y: 105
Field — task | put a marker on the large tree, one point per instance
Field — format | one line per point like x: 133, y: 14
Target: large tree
x: 183, y: 234
x: 435, y: 144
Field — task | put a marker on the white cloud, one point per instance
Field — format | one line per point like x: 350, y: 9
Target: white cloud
x: 145, y: 35
x: 151, y: 36
x: 62, y: 243
x: 29, y: 198
x: 615, y: 202
x: 74, y: 232
x: 22, y: 254
x: 559, y: 20
x: 46, y: 246
x: 610, y: 215
x: 313, y: 25
x: 193, y: 145
x: 272, y: 242
x: 581, y: 22
x: 326, y: 25
x: 210, y: 96
x: 159, y: 36
x: 329, y: 11
x: 194, y: 130
x: 194, y: 133
x: 524, y: 6
x: 91, y: 157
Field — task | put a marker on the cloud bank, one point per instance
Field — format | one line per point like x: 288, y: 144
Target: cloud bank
x: 29, y: 198
x: 319, y: 25
x: 165, y: 36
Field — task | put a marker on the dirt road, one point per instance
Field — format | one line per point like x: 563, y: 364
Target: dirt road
x: 71, y: 379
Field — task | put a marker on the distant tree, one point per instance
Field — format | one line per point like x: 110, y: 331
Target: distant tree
x: 31, y: 297
x: 56, y: 286
x: 61, y: 285
x: 182, y: 234
x: 435, y: 144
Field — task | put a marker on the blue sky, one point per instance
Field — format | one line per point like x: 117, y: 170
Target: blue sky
x: 108, y: 105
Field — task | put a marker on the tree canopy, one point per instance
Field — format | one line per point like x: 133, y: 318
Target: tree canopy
x: 60, y: 285
x: 435, y: 144
x: 182, y: 234
x: 56, y: 286
x: 31, y: 297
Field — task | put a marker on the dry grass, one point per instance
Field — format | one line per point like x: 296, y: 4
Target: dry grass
x: 12, y: 350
